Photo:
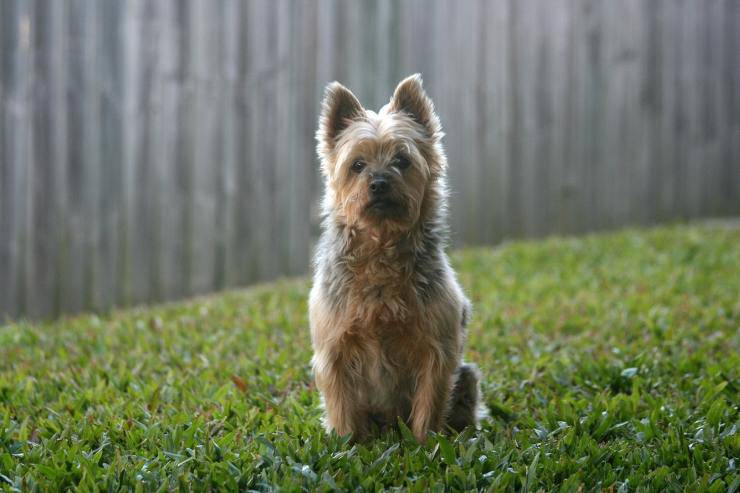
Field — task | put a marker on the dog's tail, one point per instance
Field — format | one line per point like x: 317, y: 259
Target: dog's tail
x: 465, y: 408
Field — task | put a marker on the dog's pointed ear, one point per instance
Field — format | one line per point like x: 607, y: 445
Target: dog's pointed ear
x: 410, y: 98
x: 338, y: 110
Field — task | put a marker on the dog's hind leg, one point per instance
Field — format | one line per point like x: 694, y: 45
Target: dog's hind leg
x: 465, y: 407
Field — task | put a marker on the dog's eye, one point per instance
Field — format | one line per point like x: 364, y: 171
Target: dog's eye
x: 401, y: 162
x: 358, y: 166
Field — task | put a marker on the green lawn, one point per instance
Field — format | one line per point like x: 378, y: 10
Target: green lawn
x: 610, y: 362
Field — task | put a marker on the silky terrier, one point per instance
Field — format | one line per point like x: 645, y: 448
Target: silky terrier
x: 388, y: 317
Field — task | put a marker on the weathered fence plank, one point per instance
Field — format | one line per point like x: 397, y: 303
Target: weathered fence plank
x: 150, y: 150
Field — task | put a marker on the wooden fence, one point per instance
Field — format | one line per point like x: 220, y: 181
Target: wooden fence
x: 154, y: 149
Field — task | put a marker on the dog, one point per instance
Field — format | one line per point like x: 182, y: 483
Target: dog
x: 387, y: 315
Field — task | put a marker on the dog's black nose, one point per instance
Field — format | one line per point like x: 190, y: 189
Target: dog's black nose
x: 379, y: 185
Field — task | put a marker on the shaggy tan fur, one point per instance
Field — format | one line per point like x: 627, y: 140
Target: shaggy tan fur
x: 387, y: 314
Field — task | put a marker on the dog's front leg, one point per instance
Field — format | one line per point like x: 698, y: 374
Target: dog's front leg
x: 341, y: 404
x: 433, y: 384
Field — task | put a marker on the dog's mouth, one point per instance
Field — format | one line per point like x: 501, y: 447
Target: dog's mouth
x: 384, y: 207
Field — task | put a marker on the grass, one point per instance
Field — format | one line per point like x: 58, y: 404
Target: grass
x: 611, y: 362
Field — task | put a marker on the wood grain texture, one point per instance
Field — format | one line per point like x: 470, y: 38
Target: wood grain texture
x: 155, y: 149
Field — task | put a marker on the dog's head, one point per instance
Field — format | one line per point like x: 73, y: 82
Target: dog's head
x: 382, y: 169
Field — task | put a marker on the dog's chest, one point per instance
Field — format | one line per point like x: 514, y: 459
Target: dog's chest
x: 380, y: 291
x: 393, y: 364
x: 383, y: 314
